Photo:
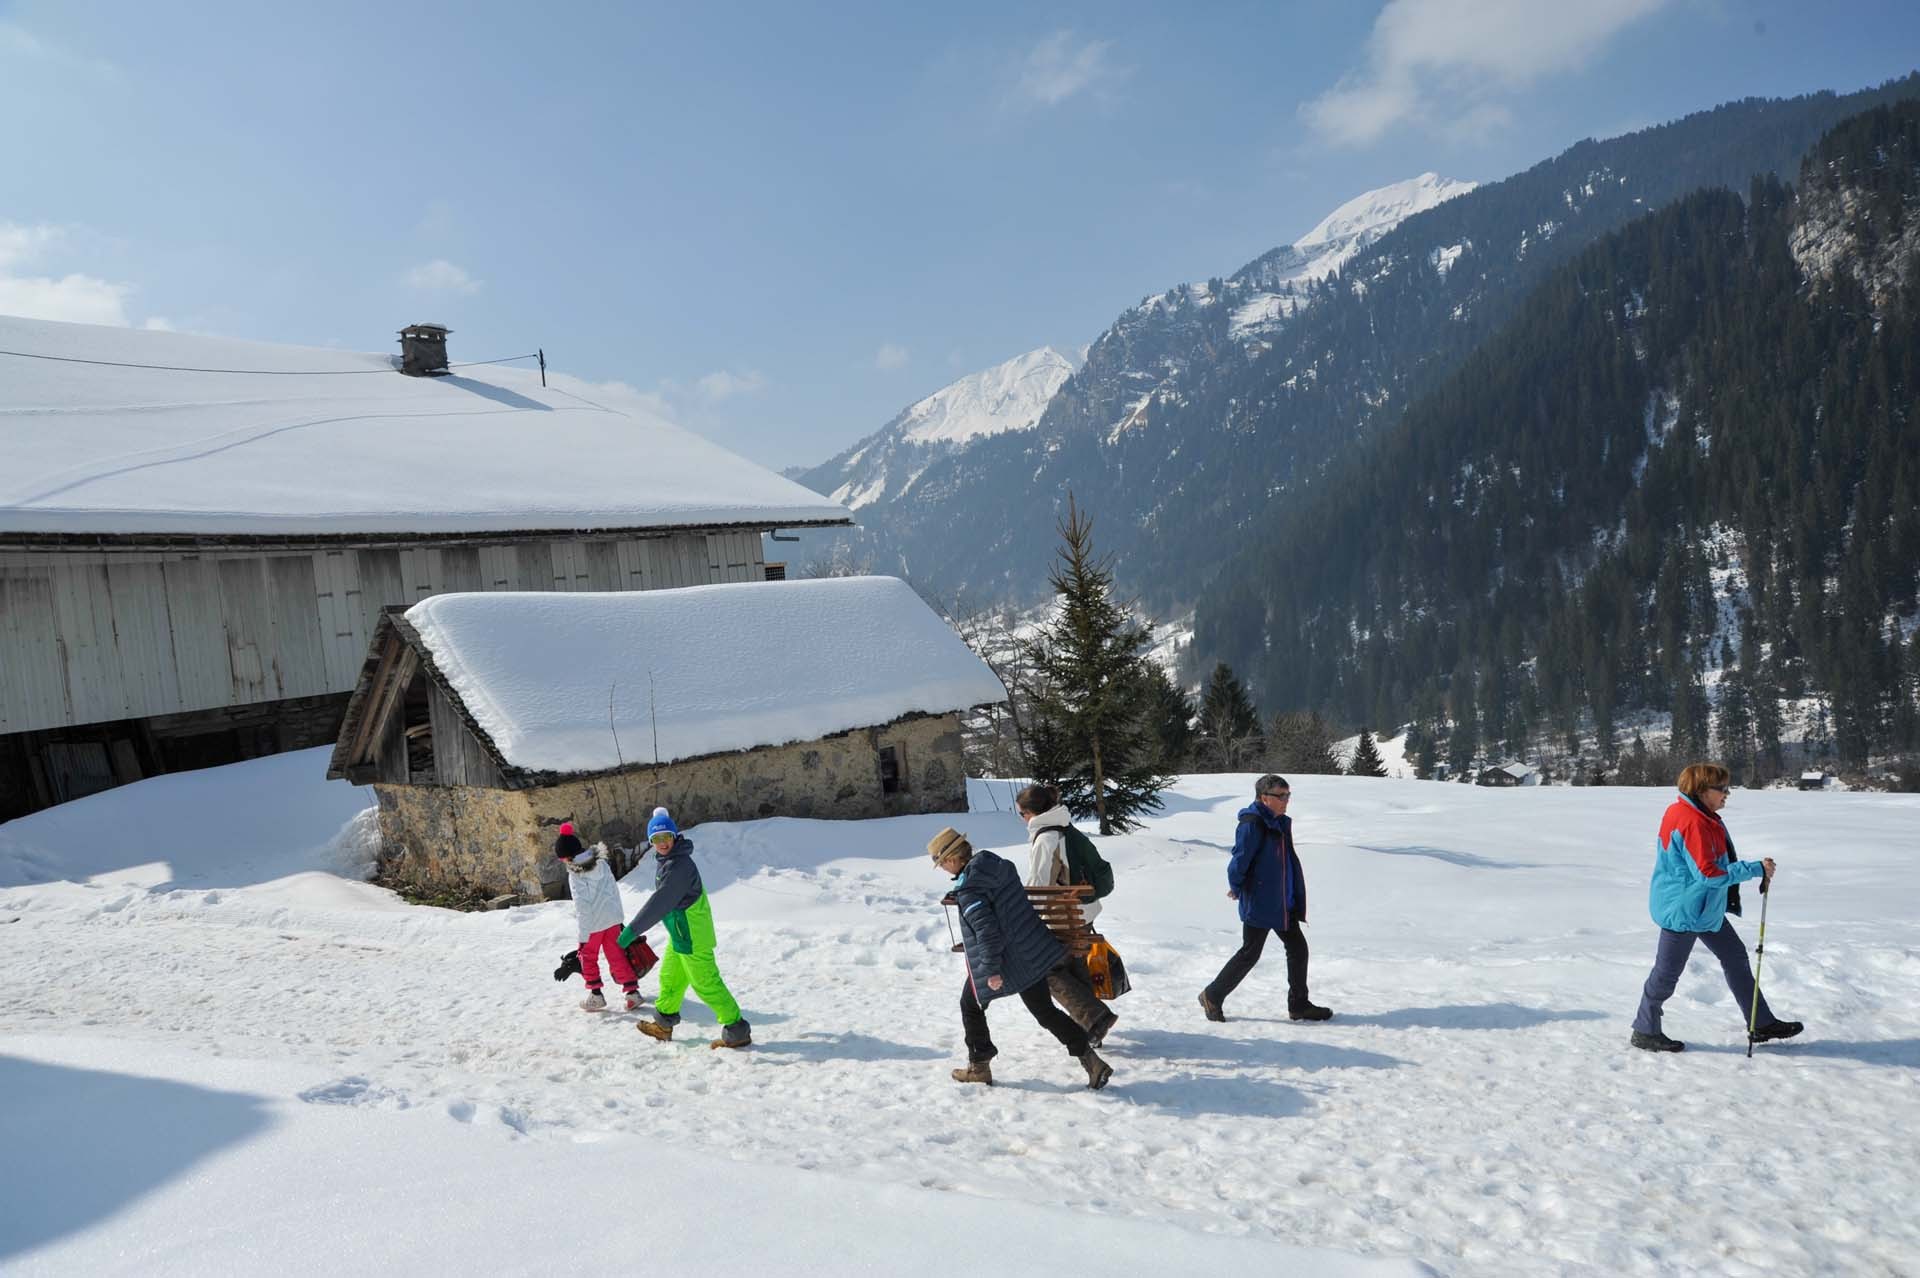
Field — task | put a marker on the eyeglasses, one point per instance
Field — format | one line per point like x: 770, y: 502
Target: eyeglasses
x: 1721, y: 788
x: 1276, y: 794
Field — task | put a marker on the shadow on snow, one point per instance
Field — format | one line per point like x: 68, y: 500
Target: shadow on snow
x: 1873, y: 1051
x: 1264, y: 1053
x: 1466, y: 860
x: 78, y: 1145
x: 1472, y: 1016
x: 851, y: 1047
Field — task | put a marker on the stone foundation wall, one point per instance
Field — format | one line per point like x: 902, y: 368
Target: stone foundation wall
x: 502, y: 840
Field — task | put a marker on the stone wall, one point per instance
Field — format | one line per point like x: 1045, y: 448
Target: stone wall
x: 502, y: 840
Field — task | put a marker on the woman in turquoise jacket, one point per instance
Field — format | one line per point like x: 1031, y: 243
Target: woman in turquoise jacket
x: 1693, y: 867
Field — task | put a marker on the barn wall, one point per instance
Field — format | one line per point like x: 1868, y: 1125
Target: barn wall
x: 501, y: 840
x: 94, y: 636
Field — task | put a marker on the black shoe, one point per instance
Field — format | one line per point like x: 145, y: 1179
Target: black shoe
x: 1657, y: 1043
x: 1776, y: 1029
x: 1309, y: 1012
x: 1211, y: 1008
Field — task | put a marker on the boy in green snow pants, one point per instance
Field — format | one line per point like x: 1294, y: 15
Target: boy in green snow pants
x: 680, y: 901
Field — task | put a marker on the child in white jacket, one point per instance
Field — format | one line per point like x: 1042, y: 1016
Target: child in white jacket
x: 596, y: 904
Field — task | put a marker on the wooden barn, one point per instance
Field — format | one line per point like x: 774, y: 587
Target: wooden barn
x: 198, y: 536
x: 484, y: 721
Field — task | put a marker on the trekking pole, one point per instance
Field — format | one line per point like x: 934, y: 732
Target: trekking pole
x: 1759, y: 957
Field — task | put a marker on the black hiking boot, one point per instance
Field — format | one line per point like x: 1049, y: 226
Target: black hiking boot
x: 1656, y: 1043
x: 1309, y: 1012
x: 1211, y: 1008
x: 1775, y: 1030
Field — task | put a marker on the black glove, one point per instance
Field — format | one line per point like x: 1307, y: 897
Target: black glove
x: 569, y: 966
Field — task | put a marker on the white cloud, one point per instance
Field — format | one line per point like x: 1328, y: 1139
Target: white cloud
x: 1445, y: 65
x: 76, y: 298
x: 890, y: 356
x: 725, y: 384
x: 442, y: 276
x: 1060, y: 67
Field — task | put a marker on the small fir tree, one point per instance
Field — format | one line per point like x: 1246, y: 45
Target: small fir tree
x: 1366, y: 760
x: 1088, y: 731
x: 1168, y: 714
x: 1229, y: 727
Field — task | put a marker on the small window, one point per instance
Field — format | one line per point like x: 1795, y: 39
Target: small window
x: 891, y: 781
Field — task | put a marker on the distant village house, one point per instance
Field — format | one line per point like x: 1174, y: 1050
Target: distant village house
x: 1508, y: 774
x: 484, y: 721
x: 199, y: 536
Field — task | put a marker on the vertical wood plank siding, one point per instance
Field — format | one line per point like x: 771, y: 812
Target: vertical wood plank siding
x: 90, y: 636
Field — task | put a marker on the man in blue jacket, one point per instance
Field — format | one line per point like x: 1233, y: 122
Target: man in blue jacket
x: 1009, y: 951
x: 1265, y: 877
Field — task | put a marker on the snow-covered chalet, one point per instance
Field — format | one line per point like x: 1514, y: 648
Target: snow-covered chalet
x: 483, y: 721
x: 199, y: 536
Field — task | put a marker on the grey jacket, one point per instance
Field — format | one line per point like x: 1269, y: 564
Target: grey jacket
x: 676, y: 888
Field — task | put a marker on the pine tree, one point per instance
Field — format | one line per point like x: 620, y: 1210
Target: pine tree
x: 1229, y: 727
x: 1168, y: 714
x: 1427, y: 755
x: 1366, y: 760
x: 1089, y: 730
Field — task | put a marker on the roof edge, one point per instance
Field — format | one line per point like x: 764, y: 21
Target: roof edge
x: 10, y: 540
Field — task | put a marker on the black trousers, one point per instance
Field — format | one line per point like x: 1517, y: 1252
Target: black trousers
x: 973, y: 1018
x: 1252, y: 941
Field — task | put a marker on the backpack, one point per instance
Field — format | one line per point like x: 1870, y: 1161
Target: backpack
x: 1084, y: 862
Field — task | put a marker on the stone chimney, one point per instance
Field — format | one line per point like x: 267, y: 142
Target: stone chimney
x: 423, y: 350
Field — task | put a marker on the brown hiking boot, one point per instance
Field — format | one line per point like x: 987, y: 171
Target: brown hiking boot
x: 655, y: 1029
x: 737, y: 1034
x: 1211, y: 1008
x: 975, y: 1072
x: 1098, y: 1071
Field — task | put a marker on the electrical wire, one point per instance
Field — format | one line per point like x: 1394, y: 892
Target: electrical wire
x: 252, y: 372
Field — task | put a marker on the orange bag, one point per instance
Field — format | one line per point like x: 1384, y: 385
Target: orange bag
x: 1108, y: 972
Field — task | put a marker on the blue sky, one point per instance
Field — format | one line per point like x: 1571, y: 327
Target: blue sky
x: 789, y: 220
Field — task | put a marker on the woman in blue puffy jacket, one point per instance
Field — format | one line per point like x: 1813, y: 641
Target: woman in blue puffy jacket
x: 1693, y: 868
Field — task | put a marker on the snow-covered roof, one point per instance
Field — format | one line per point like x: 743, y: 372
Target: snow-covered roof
x: 713, y: 668
x: 307, y: 441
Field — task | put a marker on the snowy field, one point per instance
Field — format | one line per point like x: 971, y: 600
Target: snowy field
x: 222, y: 1053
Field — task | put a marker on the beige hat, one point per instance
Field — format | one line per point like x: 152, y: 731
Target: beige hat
x: 947, y: 842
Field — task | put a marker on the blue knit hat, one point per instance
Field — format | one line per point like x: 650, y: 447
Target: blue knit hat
x: 661, y: 824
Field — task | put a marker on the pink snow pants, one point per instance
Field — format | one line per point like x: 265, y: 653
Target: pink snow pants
x: 609, y: 940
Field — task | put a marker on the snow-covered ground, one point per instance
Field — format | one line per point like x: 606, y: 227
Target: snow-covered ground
x: 221, y: 1055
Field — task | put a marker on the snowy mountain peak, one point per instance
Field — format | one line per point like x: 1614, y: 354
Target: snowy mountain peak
x: 1006, y: 397
x: 1009, y: 396
x: 1367, y: 217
